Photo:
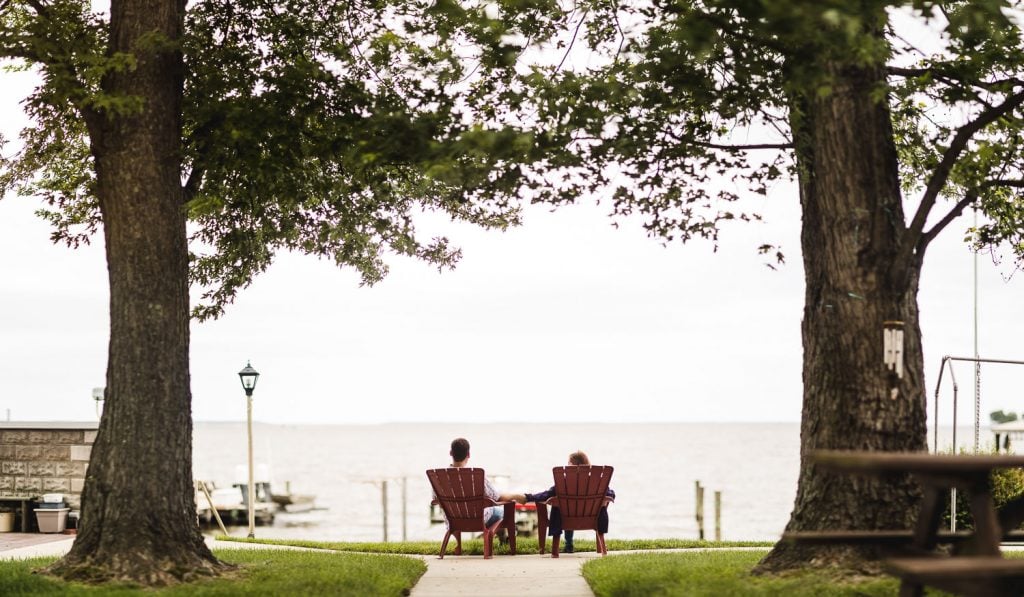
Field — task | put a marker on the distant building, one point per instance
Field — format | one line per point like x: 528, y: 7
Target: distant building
x: 1006, y: 433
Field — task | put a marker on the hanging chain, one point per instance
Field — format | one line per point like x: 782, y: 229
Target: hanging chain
x: 977, y: 403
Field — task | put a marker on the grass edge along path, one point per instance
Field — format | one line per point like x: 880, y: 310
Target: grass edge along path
x: 715, y: 573
x: 524, y: 546
x: 260, y: 572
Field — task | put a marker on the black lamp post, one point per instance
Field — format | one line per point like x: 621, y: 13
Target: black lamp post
x: 248, y: 375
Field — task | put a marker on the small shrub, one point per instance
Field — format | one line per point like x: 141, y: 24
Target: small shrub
x: 1006, y: 484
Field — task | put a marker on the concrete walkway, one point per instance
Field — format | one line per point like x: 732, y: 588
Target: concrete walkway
x: 505, y: 576
x: 21, y: 546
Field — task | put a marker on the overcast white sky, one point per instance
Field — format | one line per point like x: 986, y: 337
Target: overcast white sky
x: 563, y: 319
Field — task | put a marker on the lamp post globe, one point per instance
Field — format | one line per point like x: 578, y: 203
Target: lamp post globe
x: 248, y: 375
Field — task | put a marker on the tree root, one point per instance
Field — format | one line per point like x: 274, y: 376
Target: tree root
x: 138, y: 569
x: 845, y: 560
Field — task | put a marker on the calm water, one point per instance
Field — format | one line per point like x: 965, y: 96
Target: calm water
x: 656, y: 465
x: 754, y: 465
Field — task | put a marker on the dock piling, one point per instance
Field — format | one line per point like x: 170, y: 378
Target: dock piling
x: 700, y: 510
x: 718, y: 516
x: 405, y: 508
x: 384, y: 504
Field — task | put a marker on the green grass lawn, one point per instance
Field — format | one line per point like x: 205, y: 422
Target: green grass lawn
x: 476, y: 546
x: 261, y: 572
x: 698, y: 574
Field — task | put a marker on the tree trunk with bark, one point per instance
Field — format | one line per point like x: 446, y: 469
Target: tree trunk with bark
x: 138, y: 512
x: 853, y: 228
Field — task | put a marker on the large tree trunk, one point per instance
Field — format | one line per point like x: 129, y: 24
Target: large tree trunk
x: 853, y: 226
x: 138, y: 512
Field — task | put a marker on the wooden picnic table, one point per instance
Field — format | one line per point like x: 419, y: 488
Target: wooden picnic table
x: 938, y: 473
x: 978, y: 569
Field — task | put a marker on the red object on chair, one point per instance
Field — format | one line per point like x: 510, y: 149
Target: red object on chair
x: 460, y: 493
x: 579, y: 496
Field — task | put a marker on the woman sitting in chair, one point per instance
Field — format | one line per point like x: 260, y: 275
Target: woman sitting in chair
x: 555, y: 522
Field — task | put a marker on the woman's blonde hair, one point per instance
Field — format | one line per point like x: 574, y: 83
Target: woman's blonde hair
x: 578, y: 457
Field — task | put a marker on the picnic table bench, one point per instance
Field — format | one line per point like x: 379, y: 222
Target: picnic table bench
x: 977, y: 567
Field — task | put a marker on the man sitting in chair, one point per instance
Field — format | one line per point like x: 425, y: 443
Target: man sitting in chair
x: 460, y: 458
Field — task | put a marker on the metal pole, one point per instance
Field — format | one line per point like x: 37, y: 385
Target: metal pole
x: 952, y: 492
x: 956, y: 391
x: 252, y: 486
x: 982, y: 360
x: 977, y: 363
x: 384, y: 506
x: 935, y: 421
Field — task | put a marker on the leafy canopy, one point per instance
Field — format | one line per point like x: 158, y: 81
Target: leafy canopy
x: 328, y: 127
x: 322, y: 127
x: 675, y: 109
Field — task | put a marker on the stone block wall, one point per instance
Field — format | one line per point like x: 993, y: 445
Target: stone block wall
x: 45, y: 457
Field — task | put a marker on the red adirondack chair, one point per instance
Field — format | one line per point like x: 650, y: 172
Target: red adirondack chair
x: 579, y: 497
x: 460, y: 493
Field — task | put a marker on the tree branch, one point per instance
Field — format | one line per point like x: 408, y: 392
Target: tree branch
x: 18, y: 47
x: 195, y: 179
x: 727, y: 26
x: 55, y: 56
x: 199, y: 138
x: 953, y: 214
x: 751, y: 146
x: 958, y: 209
x: 941, y: 173
x: 40, y: 8
x: 1004, y: 182
x: 24, y: 48
x: 938, y: 74
x: 572, y: 42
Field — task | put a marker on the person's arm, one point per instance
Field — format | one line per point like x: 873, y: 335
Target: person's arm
x: 542, y: 496
x: 490, y: 492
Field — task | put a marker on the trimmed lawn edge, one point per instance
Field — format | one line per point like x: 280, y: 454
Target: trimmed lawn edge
x: 475, y: 546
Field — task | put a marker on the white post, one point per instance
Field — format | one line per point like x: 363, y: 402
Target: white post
x: 252, y: 485
x: 405, y: 504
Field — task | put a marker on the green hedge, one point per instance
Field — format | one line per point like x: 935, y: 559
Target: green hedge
x: 1007, y: 484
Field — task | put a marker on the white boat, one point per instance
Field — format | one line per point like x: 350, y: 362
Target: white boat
x: 231, y: 504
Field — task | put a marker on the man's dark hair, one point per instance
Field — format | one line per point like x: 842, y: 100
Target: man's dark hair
x: 460, y: 449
